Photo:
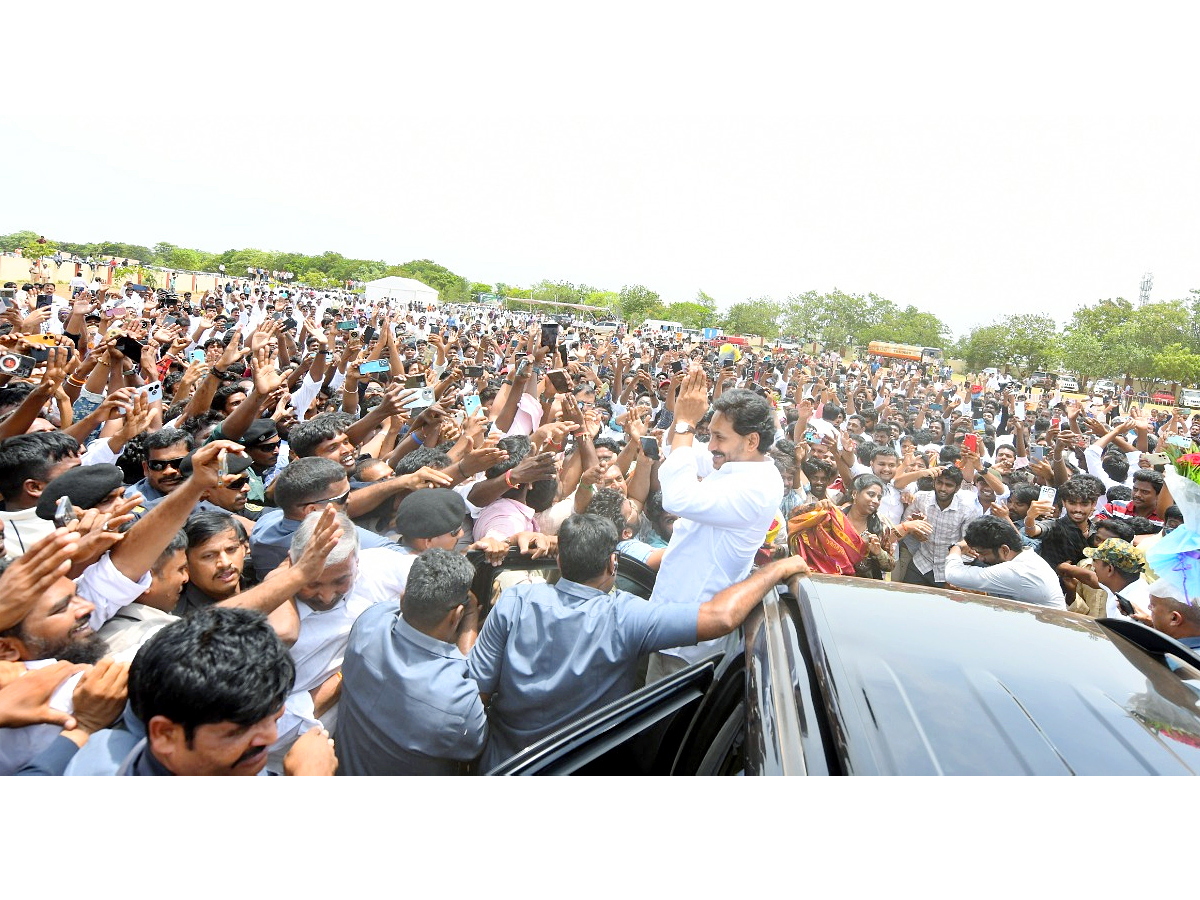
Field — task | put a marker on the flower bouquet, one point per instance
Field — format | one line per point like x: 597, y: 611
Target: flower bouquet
x: 1176, y: 558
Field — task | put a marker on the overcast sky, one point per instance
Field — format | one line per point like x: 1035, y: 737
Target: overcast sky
x: 973, y: 168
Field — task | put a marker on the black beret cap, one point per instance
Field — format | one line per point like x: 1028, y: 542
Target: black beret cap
x: 260, y: 431
x: 430, y: 513
x: 85, y: 485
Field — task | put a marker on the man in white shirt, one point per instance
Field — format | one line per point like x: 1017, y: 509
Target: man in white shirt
x: 1008, y: 569
x: 725, y: 517
x: 316, y: 625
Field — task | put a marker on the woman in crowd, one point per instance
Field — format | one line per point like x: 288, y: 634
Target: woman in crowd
x: 851, y: 540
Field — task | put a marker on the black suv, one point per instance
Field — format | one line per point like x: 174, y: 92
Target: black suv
x: 848, y: 676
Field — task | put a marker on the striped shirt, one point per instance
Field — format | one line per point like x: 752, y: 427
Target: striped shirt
x: 949, y: 527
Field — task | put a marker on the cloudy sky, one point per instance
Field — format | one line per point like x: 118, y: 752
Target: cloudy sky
x: 971, y: 167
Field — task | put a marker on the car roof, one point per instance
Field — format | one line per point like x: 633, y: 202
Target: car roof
x: 923, y: 681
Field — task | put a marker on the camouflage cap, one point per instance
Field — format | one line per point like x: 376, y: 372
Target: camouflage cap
x: 1118, y: 554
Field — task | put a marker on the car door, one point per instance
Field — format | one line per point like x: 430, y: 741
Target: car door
x: 637, y: 735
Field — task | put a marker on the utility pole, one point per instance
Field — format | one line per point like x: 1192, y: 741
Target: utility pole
x: 1147, y: 283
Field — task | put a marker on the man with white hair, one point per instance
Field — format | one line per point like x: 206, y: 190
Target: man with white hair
x: 316, y: 623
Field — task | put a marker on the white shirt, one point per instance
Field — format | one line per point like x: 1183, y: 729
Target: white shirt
x: 723, y: 521
x: 23, y: 529
x: 1026, y: 577
x: 321, y: 645
x: 1137, y: 593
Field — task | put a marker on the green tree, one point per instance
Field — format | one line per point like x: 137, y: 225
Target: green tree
x: 1088, y: 344
x: 18, y: 240
x: 757, y: 317
x: 1177, y: 364
x: 638, y: 303
x: 691, y: 315
x: 1031, y: 342
x: 982, y: 347
x: 451, y: 288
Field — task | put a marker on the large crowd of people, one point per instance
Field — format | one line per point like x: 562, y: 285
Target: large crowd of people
x: 242, y: 529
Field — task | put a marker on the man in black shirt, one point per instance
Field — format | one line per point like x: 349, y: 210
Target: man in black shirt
x: 1064, y: 538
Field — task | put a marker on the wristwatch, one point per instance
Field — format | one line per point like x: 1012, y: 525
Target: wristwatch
x: 685, y: 428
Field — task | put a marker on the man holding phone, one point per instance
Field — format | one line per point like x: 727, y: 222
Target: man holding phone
x: 1118, y: 566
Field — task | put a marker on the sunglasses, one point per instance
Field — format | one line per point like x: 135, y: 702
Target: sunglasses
x: 158, y: 465
x: 237, y: 483
x: 340, y: 499
x: 274, y: 445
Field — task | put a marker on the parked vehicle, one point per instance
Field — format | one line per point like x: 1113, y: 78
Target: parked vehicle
x: 859, y: 677
x: 1164, y: 398
x: 1068, y: 383
x: 1104, y: 386
x: 905, y: 351
x: 1189, y: 398
x: 1041, y: 380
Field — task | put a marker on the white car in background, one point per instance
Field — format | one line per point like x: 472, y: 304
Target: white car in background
x: 1068, y: 383
x: 1105, y: 386
x: 1189, y: 398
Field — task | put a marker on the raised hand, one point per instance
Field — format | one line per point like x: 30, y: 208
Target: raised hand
x: 99, y: 698
x: 33, y: 573
x: 325, y: 537
x: 266, y: 378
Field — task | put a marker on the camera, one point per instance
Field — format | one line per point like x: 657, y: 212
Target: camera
x: 15, y: 365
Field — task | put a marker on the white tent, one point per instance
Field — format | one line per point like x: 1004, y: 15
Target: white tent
x: 404, y: 290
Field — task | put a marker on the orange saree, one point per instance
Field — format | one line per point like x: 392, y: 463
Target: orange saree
x: 828, y: 543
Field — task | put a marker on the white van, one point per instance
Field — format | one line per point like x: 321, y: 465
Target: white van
x: 1189, y: 398
x: 660, y: 326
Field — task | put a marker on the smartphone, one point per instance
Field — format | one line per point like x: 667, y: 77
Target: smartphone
x: 1123, y: 605
x: 1037, y: 452
x: 810, y: 436
x: 677, y: 366
x: 650, y: 447
x: 16, y: 365
x: 169, y: 320
x: 8, y: 295
x: 197, y: 356
x: 560, y: 380
x: 368, y: 334
x: 971, y: 442
x: 1047, y: 495
x: 375, y: 365
x: 130, y: 347
x: 43, y: 340
x: 615, y: 340
x: 423, y: 399
x: 980, y: 426
x: 414, y: 381
x: 473, y: 371
x: 471, y: 404
x: 347, y: 325
x: 1158, y: 459
x: 549, y: 334
x: 64, y: 512
x: 153, y: 391
x: 1056, y: 422
x: 43, y: 301
x: 935, y: 407
x: 459, y: 417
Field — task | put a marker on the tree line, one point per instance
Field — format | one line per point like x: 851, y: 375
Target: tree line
x: 1157, y: 342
